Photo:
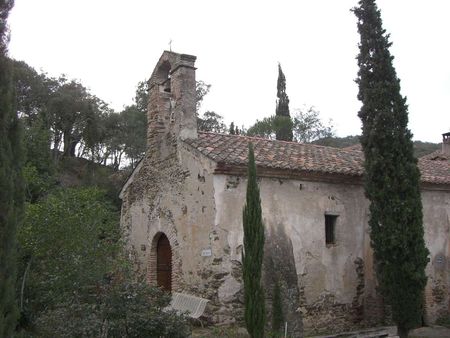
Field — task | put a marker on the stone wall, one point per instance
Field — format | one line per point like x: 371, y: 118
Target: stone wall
x: 329, y: 278
x: 436, y: 216
x: 324, y: 286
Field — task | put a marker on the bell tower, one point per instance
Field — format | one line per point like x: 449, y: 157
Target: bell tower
x: 171, y: 105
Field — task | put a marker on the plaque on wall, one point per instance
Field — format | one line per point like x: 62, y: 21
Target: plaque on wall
x: 439, y: 261
x: 206, y: 252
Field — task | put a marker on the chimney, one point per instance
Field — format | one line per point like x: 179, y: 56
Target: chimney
x: 171, y: 105
x: 446, y: 143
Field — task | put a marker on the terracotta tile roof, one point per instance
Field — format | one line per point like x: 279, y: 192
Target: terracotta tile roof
x: 437, y: 155
x: 435, y: 167
x: 232, y: 150
x: 356, y: 146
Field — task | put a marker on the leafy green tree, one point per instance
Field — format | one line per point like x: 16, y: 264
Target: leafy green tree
x: 252, y: 255
x: 211, y: 122
x: 11, y: 183
x: 308, y: 126
x: 392, y: 176
x: 284, y: 132
x: 69, y: 239
x: 68, y: 107
x: 73, y: 113
x: 5, y: 7
x: 338, y: 142
x: 76, y: 281
x: 141, y: 97
x: 201, y: 89
x: 39, y: 169
x: 268, y: 127
x: 134, y: 121
x: 33, y: 91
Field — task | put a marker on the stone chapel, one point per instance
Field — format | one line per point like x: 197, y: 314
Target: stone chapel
x: 182, y: 216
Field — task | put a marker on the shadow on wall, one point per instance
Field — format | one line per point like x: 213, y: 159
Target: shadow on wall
x: 280, y: 276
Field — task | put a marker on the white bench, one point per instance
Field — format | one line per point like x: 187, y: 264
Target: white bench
x: 191, y: 305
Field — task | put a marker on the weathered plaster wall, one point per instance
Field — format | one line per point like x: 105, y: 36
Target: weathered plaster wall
x: 329, y: 287
x: 436, y: 217
x: 337, y: 283
x: 330, y: 278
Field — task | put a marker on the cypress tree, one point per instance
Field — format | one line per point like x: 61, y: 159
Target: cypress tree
x: 11, y: 186
x: 277, y: 308
x: 252, y: 255
x: 232, y: 130
x: 392, y: 176
x: 282, y: 114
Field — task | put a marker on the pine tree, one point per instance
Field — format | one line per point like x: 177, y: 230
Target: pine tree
x: 392, y: 177
x: 282, y: 109
x: 253, y: 254
x: 11, y: 186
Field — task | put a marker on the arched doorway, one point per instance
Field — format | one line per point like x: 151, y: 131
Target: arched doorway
x: 164, y: 263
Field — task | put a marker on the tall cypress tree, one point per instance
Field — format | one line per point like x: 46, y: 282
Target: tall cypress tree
x: 252, y: 255
x: 284, y: 132
x: 392, y: 177
x: 11, y: 186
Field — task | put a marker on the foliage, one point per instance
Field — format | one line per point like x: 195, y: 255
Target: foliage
x: 141, y: 96
x: 283, y: 118
x: 252, y: 255
x: 201, y: 89
x: 11, y: 183
x: 120, y: 307
x: 338, y: 142
x: 134, y: 133
x: 232, y: 129
x: 211, y: 122
x: 264, y: 128
x: 277, y: 308
x: 308, y: 127
x: 444, y: 321
x: 33, y: 92
x: 5, y: 7
x: 268, y: 127
x: 392, y: 176
x: 37, y: 184
x: 63, y: 114
x: 424, y: 148
x: 76, y: 282
x: 420, y: 148
x: 70, y: 238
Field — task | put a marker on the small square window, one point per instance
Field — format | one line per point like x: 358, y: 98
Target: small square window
x: 330, y: 229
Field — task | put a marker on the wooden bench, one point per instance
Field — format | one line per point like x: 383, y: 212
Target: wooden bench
x: 188, y: 304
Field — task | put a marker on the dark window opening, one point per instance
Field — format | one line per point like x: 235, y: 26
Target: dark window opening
x: 330, y: 229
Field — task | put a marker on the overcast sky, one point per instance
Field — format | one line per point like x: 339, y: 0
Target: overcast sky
x: 111, y: 45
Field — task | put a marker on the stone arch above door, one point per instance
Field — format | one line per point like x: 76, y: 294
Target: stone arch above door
x: 152, y: 272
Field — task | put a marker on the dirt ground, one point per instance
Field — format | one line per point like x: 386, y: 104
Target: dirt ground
x: 238, y: 332
x: 430, y: 332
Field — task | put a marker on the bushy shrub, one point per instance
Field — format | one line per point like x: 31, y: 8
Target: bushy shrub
x: 121, y: 308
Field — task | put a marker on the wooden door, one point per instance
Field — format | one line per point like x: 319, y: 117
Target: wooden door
x: 164, y: 263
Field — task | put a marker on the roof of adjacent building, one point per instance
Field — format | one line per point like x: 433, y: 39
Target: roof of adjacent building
x: 230, y: 151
